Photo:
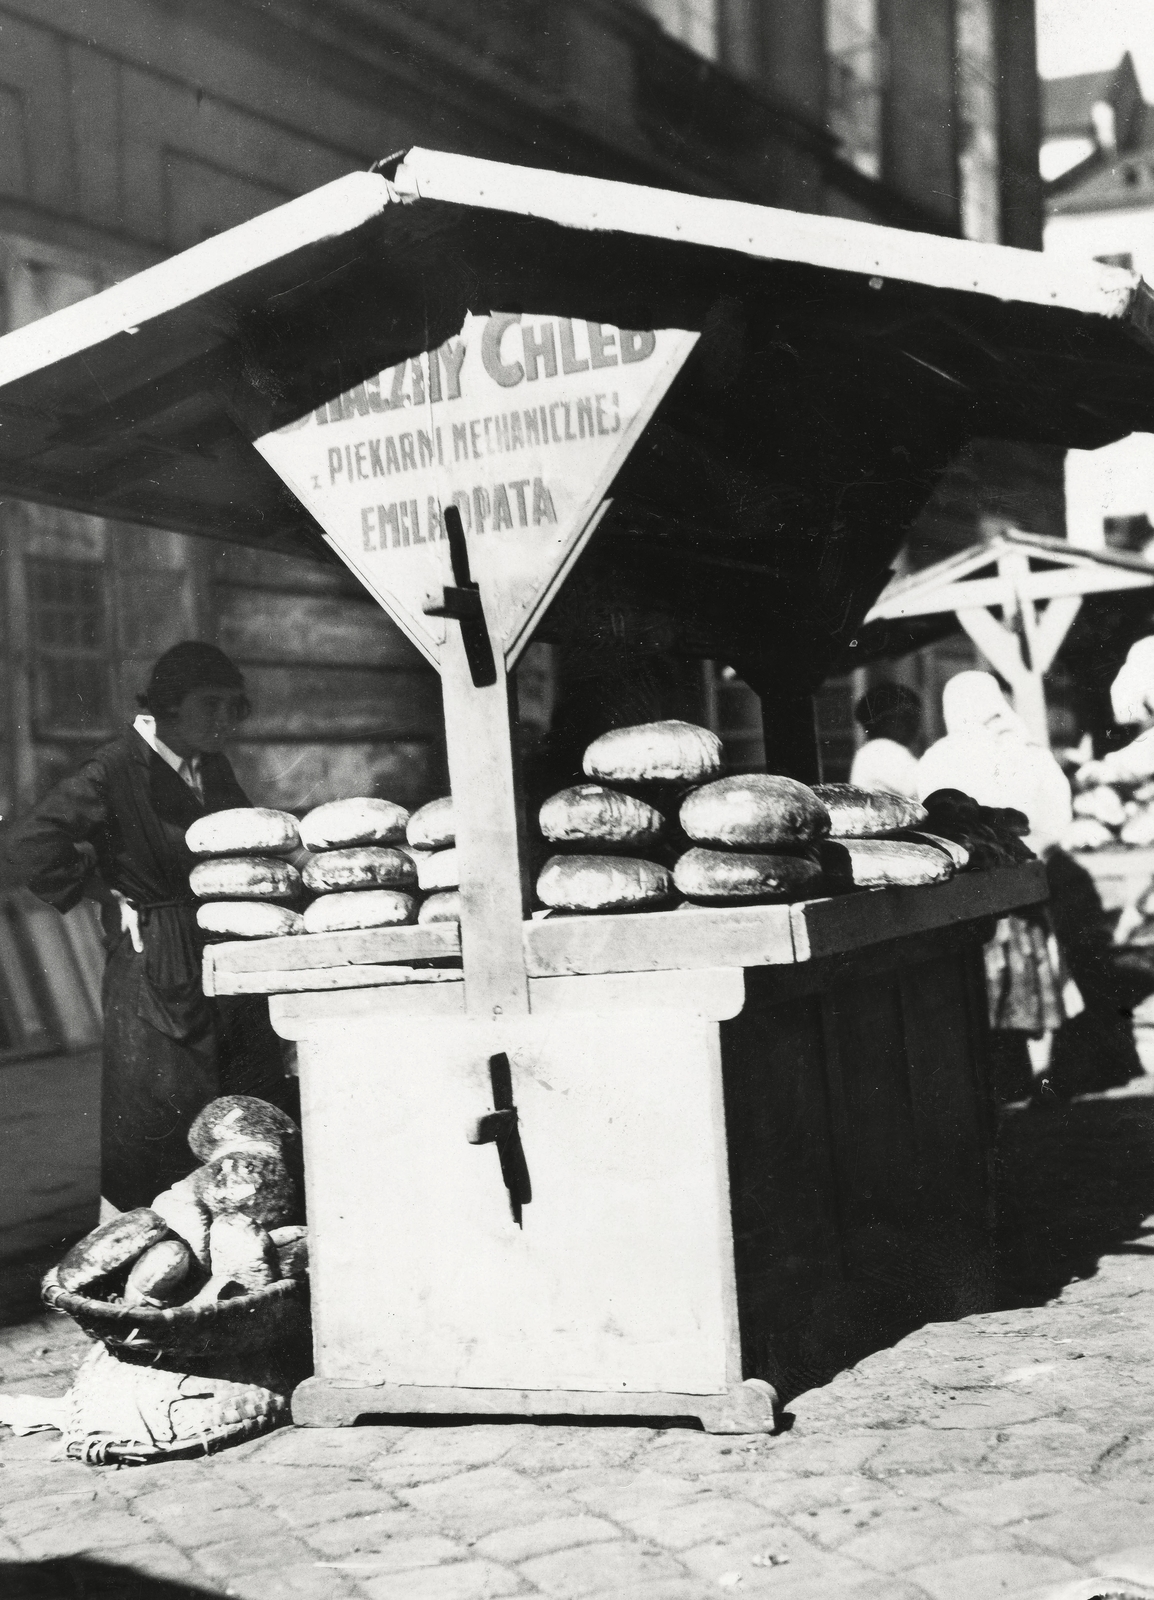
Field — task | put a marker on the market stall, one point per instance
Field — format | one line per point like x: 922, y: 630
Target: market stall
x: 643, y: 1163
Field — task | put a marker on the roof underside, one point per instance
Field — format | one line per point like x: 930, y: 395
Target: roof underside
x: 840, y: 368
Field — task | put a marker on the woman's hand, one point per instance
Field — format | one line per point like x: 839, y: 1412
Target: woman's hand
x: 129, y: 921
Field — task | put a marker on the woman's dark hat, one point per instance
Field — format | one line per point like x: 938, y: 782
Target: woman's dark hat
x: 188, y: 666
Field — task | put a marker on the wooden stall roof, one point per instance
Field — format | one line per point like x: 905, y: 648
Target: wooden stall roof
x: 841, y: 365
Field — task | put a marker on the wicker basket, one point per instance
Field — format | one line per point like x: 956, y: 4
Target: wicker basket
x: 272, y: 1321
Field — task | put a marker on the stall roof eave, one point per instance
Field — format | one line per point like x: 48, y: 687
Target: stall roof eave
x: 141, y: 403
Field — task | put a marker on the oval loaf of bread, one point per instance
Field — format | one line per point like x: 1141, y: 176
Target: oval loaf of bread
x: 431, y: 827
x: 359, y: 908
x: 257, y: 1185
x: 654, y: 752
x: 445, y: 906
x: 727, y: 875
x: 159, y: 1274
x: 248, y: 919
x: 602, y: 883
x: 339, y: 823
x: 757, y: 810
x: 437, y: 869
x: 245, y: 830
x: 369, y: 866
x: 883, y: 863
x: 111, y: 1246
x: 244, y: 878
x: 242, y: 1251
x: 861, y: 814
x: 589, y: 813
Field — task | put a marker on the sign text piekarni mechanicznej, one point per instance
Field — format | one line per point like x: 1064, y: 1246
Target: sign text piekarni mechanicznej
x: 522, y: 422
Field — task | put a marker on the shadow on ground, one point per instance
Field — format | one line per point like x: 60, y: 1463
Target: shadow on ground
x: 79, y: 1578
x: 1075, y: 1183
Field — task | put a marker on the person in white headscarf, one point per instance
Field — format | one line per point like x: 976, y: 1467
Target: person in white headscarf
x: 990, y: 754
x: 1132, y: 700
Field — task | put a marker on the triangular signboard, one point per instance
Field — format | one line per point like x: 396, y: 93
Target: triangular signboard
x: 522, y: 422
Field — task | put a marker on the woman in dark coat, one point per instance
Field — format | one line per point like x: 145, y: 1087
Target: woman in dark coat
x: 114, y: 832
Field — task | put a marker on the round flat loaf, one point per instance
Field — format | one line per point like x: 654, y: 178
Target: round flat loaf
x: 438, y: 870
x: 861, y: 814
x: 602, y: 883
x: 244, y: 878
x: 241, y: 1122
x: 248, y: 919
x: 249, y: 1182
x: 883, y: 863
x: 432, y: 827
x: 359, y: 908
x: 591, y: 814
x: 245, y: 830
x: 442, y: 907
x: 727, y: 875
x: 754, y: 811
x: 339, y: 823
x: 654, y: 752
x: 368, y: 866
x: 111, y: 1246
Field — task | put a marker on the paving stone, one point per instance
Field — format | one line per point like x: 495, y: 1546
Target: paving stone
x: 539, y: 1538
x: 397, y: 1554
x: 916, y: 1535
x: 614, y: 1569
x: 481, y: 1502
x: 20, y: 1515
x: 993, y: 1575
x: 291, y: 1583
x: 155, y: 1557
x: 96, y: 1530
x: 372, y: 1534
x: 775, y: 1555
x: 803, y: 1494
x: 1115, y: 1525
x: 468, y: 1580
x: 919, y: 1449
x: 232, y: 1556
x: 321, y: 1447
x: 677, y: 1527
x: 635, y: 1494
x: 198, y: 1526
x: 1043, y: 1493
x: 305, y: 1507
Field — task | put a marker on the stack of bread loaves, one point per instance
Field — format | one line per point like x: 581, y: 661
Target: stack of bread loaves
x: 609, y: 832
x: 232, y: 1226
x: 360, y: 877
x: 877, y: 841
x: 247, y: 885
x: 754, y: 838
x: 432, y: 840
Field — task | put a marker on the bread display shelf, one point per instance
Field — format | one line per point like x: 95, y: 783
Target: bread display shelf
x: 655, y: 941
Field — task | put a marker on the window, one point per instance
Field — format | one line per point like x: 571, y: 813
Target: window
x: 68, y: 616
x: 975, y: 55
x: 855, y: 72
x: 694, y: 22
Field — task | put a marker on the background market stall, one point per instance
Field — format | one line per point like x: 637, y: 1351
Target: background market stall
x: 749, y: 1138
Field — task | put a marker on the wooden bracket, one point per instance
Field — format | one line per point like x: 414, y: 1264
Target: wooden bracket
x: 462, y: 602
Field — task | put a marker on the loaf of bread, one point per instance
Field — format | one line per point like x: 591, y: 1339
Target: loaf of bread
x: 292, y: 1250
x: 242, y: 1122
x: 256, y: 1185
x: 359, y: 908
x: 248, y: 919
x: 958, y: 852
x: 883, y: 863
x: 591, y: 814
x: 444, y: 906
x: 721, y: 876
x: 861, y: 814
x: 110, y: 1247
x: 654, y: 752
x: 602, y: 883
x: 187, y: 1219
x: 367, y: 866
x: 246, y: 830
x: 244, y: 878
x: 242, y: 1251
x: 437, y: 869
x: 340, y: 823
x: 1085, y: 833
x: 159, y: 1274
x: 754, y: 811
x: 431, y: 827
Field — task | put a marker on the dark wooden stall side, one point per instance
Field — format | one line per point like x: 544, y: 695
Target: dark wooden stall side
x: 859, y: 1126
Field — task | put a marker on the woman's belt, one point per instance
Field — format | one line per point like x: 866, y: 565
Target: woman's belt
x: 144, y: 908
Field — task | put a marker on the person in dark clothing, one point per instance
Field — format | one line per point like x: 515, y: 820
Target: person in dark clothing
x: 114, y: 832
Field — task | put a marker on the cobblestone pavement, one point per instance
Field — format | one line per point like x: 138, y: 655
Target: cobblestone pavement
x: 1007, y: 1455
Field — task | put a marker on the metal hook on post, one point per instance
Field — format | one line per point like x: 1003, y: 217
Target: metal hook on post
x: 462, y: 602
